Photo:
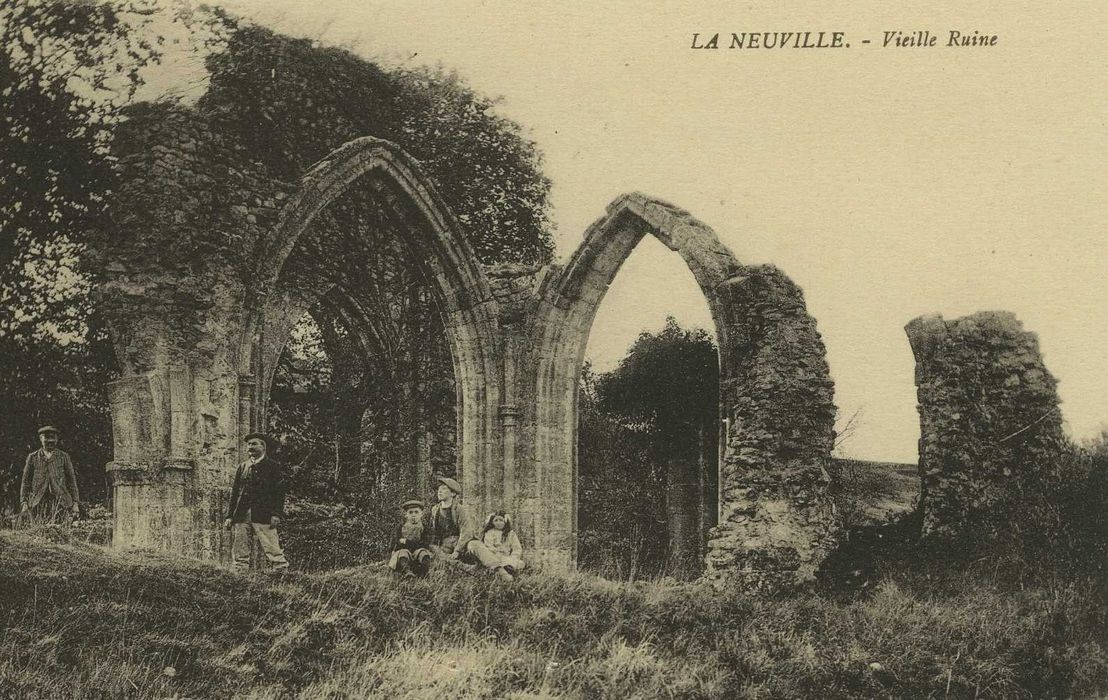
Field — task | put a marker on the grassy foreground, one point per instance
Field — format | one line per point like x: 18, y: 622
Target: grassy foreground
x: 81, y: 621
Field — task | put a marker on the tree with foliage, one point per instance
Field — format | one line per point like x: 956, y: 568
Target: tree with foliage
x: 482, y: 164
x: 620, y: 491
x: 292, y: 102
x: 668, y: 383
x: 664, y: 398
x: 66, y: 69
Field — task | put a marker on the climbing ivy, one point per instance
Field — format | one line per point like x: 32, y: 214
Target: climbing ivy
x: 291, y: 102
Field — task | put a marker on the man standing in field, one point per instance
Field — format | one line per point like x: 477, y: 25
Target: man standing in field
x: 49, y: 488
x: 258, y: 503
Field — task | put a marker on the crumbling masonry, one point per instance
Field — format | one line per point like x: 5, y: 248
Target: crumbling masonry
x: 990, y: 428
x: 200, y: 301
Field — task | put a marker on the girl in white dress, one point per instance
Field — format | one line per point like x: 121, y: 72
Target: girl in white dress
x: 499, y: 537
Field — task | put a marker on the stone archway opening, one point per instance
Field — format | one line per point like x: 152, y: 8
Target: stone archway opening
x: 776, y: 522
x: 355, y: 311
x: 401, y: 309
x: 648, y: 423
x: 360, y: 433
x: 380, y: 319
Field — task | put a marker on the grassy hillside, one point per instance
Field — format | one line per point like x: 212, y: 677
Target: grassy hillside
x: 80, y: 621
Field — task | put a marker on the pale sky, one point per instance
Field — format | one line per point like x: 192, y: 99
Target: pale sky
x: 887, y: 182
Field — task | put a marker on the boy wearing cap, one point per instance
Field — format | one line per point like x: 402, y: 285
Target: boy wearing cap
x: 258, y: 503
x: 451, y: 526
x: 49, y: 487
x: 410, y: 555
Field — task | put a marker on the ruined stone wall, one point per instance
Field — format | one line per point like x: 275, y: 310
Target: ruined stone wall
x: 187, y: 218
x: 990, y: 428
x: 173, y: 290
x: 198, y: 303
x: 776, y: 521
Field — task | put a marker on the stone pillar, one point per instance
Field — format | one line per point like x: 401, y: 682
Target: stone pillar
x: 518, y: 476
x: 149, y: 482
x: 248, y: 418
x: 509, y: 410
x: 990, y: 428
x: 776, y: 521
x: 175, y: 432
x: 509, y: 426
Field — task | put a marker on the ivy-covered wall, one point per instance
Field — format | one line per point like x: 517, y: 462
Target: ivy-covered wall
x: 190, y: 210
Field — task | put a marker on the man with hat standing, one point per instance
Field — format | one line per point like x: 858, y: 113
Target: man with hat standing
x: 258, y: 503
x: 49, y: 487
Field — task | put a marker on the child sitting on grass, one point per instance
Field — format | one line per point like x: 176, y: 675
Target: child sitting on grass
x: 503, y: 542
x: 410, y: 555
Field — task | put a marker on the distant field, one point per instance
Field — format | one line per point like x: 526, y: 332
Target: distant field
x: 875, y: 492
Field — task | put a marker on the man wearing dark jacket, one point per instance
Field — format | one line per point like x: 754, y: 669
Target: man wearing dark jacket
x: 49, y: 488
x: 258, y: 503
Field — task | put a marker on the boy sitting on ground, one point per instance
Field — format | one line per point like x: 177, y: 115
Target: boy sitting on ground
x: 451, y: 527
x: 410, y: 555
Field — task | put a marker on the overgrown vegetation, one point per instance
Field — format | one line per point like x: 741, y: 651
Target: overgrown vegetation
x: 648, y: 446
x: 891, y: 616
x: 929, y: 621
x: 68, y: 73
x: 312, y: 99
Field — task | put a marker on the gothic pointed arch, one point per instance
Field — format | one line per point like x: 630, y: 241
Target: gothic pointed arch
x: 438, y: 248
x: 774, y: 514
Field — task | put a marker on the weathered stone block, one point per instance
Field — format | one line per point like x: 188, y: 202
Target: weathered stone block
x: 990, y: 428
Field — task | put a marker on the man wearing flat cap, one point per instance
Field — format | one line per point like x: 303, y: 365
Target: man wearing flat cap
x: 258, y: 504
x: 49, y: 487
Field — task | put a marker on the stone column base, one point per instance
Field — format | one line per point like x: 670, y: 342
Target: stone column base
x: 156, y: 506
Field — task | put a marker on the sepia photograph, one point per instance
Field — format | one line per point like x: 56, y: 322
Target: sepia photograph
x: 476, y: 349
